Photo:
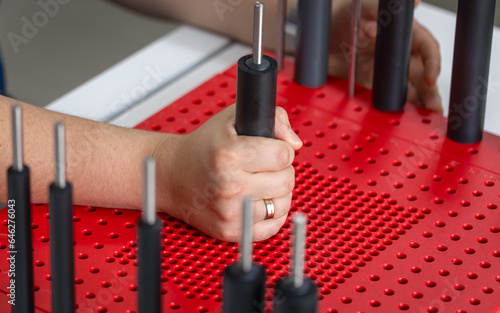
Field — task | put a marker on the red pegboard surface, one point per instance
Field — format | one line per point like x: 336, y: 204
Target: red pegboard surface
x: 401, y: 219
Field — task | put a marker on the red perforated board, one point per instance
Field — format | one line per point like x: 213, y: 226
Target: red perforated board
x: 401, y: 219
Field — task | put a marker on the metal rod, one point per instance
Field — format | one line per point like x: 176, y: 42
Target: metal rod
x: 300, y: 222
x: 258, y: 21
x: 246, y: 236
x: 280, y: 33
x: 17, y: 138
x: 60, y: 180
x: 355, y: 17
x: 148, y: 214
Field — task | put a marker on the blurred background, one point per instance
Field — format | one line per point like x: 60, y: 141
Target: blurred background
x: 80, y: 41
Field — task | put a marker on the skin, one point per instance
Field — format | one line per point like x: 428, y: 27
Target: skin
x: 425, y: 57
x: 203, y: 176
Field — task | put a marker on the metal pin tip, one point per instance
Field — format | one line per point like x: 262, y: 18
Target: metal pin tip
x: 149, y: 205
x: 59, y: 128
x: 299, y: 219
x: 246, y: 235
x: 257, y: 32
x: 300, y: 222
x: 16, y: 110
x: 60, y: 155
x: 17, y: 140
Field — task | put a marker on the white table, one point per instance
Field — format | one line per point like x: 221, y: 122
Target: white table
x: 130, y: 91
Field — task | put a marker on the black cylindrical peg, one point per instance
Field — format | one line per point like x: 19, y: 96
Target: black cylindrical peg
x: 19, y: 217
x: 256, y: 87
x: 149, y: 246
x: 392, y: 54
x: 313, y: 34
x: 244, y: 282
x: 61, y: 232
x: 471, y: 65
x: 296, y: 293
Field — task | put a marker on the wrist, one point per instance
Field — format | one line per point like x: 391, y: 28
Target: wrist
x: 164, y: 148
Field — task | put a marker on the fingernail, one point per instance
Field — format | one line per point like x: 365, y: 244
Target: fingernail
x: 294, y: 137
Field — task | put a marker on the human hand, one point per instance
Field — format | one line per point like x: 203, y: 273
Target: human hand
x: 424, y: 62
x: 213, y: 168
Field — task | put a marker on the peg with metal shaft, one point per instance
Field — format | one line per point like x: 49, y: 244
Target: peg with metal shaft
x: 313, y: 35
x: 61, y: 232
x: 244, y: 282
x: 392, y: 55
x: 18, y: 181
x: 280, y: 33
x: 353, y: 50
x: 256, y: 87
x: 471, y: 65
x: 296, y: 294
x: 149, y: 246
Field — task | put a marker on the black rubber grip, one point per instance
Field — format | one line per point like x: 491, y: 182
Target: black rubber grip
x: 288, y: 299
x: 392, y: 54
x: 19, y: 191
x: 61, y: 249
x: 149, y: 263
x: 471, y: 66
x: 313, y: 42
x: 256, y: 98
x: 244, y: 291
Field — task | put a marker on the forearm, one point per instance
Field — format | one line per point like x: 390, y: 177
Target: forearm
x: 103, y: 162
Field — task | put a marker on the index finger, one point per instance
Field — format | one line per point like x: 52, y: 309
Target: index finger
x: 427, y: 46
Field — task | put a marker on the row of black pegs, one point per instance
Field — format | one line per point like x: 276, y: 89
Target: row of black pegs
x: 471, y: 62
x: 61, y: 232
x: 61, y: 226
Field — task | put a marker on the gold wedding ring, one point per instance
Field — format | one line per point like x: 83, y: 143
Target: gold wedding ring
x: 269, y: 209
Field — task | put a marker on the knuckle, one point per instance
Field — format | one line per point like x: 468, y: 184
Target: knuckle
x: 225, y: 158
x: 290, y: 181
x: 284, y: 157
x: 229, y: 216
x: 230, y: 190
x: 229, y: 234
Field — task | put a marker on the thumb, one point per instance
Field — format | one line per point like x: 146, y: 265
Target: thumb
x: 284, y: 131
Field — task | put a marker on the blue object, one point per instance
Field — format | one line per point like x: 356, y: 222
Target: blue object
x: 2, y: 83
